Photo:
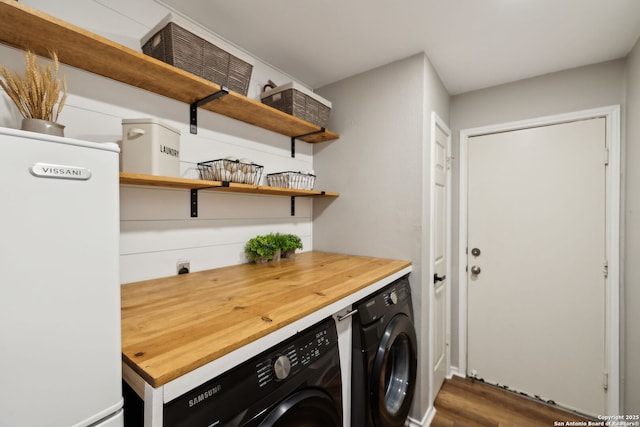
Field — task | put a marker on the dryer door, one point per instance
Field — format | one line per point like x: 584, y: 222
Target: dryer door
x: 393, y: 377
x: 307, y: 407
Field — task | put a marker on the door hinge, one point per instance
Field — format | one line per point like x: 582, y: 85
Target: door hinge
x: 605, y: 269
x: 449, y: 160
x: 606, y: 156
x: 605, y: 380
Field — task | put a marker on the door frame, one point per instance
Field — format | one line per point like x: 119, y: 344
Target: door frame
x: 612, y: 249
x: 437, y: 122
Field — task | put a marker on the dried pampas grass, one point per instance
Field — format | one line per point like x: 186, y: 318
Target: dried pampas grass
x: 37, y: 94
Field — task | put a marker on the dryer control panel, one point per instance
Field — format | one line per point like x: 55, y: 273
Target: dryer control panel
x: 377, y: 305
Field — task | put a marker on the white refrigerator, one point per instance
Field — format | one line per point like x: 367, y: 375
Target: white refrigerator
x: 60, y: 354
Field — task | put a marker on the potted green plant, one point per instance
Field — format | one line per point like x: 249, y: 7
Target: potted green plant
x: 262, y: 248
x: 288, y: 243
x: 39, y: 94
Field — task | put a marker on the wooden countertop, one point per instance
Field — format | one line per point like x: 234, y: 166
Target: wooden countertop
x: 173, y: 325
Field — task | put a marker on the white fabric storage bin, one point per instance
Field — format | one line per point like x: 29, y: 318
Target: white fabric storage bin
x: 150, y: 147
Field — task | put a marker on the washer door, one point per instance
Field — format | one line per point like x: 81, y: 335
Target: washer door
x: 305, y: 408
x: 393, y: 377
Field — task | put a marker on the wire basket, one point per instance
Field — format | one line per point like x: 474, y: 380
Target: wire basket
x: 296, y: 180
x: 231, y: 171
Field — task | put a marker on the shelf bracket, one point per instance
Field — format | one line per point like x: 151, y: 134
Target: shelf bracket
x: 293, y: 201
x: 293, y: 139
x: 193, y: 109
x: 194, y: 203
x: 194, y: 197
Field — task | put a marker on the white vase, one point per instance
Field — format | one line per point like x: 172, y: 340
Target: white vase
x: 42, y: 126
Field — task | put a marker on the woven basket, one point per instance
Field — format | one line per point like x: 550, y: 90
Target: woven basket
x: 296, y: 180
x: 295, y: 102
x: 181, y: 48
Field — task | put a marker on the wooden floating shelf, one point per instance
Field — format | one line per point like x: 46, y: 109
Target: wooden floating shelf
x: 27, y: 28
x: 127, y: 178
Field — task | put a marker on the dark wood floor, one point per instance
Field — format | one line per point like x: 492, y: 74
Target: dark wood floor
x: 464, y: 402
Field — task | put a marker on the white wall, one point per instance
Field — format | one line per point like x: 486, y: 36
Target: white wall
x: 572, y: 90
x: 631, y: 324
x: 381, y: 167
x: 156, y: 227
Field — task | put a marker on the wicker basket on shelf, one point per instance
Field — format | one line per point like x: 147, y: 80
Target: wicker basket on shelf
x: 170, y: 42
x: 298, y: 101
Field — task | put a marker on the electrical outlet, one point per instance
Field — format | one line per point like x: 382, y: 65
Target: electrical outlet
x: 183, y: 267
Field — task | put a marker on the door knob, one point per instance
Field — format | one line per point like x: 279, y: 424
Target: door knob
x: 437, y: 278
x: 475, y: 270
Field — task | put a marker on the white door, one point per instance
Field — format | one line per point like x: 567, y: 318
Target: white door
x: 439, y: 249
x: 536, y: 252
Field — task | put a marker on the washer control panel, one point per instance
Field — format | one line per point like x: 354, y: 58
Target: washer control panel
x: 224, y: 400
x: 288, y: 360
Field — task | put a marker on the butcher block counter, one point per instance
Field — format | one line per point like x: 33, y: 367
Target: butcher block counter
x: 173, y: 325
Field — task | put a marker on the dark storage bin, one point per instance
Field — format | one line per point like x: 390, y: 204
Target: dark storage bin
x: 299, y: 102
x: 183, y: 49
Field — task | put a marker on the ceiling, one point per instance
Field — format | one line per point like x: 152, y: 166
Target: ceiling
x: 472, y: 43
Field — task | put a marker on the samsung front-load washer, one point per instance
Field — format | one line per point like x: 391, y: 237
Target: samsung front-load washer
x: 295, y: 383
x: 384, y: 357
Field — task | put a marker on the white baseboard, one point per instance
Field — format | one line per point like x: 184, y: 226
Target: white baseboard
x: 426, y: 420
x: 431, y: 412
x: 453, y: 370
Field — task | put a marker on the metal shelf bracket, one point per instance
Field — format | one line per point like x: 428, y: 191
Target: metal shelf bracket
x: 194, y: 203
x: 293, y: 201
x: 194, y: 197
x: 193, y: 109
x: 293, y: 139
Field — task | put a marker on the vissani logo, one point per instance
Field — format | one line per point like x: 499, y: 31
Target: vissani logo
x: 47, y: 170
